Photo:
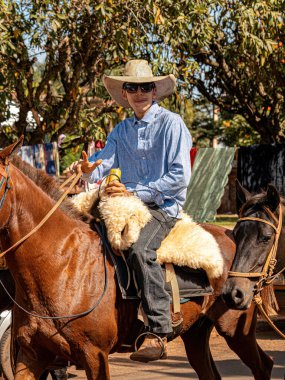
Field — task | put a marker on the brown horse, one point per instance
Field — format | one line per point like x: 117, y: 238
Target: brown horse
x: 255, y: 234
x: 60, y: 271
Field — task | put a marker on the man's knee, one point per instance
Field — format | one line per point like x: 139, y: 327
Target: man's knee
x: 136, y: 255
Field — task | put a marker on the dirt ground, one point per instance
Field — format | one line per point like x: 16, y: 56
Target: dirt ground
x: 177, y: 367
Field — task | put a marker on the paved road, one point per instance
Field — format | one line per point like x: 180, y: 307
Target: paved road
x: 177, y: 367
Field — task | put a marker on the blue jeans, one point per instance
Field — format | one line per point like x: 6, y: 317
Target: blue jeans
x: 149, y: 276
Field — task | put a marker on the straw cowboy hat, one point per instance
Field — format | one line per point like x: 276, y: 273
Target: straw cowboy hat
x: 138, y: 71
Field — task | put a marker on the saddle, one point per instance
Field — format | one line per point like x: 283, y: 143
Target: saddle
x: 190, y: 282
x: 189, y: 255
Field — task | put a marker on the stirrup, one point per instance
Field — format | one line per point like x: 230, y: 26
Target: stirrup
x: 156, y: 336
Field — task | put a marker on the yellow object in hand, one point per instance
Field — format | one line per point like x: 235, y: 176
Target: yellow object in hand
x: 114, y: 175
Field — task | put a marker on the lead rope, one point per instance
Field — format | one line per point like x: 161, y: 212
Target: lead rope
x: 258, y: 301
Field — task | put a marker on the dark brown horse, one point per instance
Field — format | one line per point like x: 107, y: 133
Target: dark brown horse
x: 255, y: 235
x: 60, y: 271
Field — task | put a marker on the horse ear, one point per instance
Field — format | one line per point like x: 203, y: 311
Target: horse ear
x: 273, y: 197
x: 242, y: 195
x: 12, y: 149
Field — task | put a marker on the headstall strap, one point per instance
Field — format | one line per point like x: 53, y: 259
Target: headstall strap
x: 5, y: 181
x: 3, y: 172
x: 266, y: 277
x: 270, y: 262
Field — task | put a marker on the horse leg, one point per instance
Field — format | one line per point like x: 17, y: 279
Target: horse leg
x: 28, y: 367
x: 96, y: 364
x: 252, y: 355
x: 241, y: 338
x: 196, y: 342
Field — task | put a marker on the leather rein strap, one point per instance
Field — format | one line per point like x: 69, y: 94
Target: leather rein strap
x: 5, y: 183
x: 266, y: 276
x: 75, y: 178
x: 258, y: 301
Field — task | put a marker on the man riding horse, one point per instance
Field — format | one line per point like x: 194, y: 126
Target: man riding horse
x: 152, y: 149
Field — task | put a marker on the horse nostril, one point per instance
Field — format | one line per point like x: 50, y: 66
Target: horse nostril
x: 237, y: 296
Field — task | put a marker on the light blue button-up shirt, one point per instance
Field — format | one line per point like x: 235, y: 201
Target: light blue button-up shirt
x: 153, y: 154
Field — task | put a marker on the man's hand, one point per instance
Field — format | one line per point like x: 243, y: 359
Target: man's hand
x: 83, y: 165
x: 116, y: 189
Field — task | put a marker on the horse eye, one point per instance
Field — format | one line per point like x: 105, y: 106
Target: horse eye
x: 264, y: 239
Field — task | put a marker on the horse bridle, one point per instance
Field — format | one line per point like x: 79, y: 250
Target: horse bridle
x: 7, y: 179
x: 5, y: 182
x: 267, y: 271
x: 266, y: 276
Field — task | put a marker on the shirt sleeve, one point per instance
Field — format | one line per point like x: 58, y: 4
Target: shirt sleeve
x: 109, y: 157
x: 177, y: 178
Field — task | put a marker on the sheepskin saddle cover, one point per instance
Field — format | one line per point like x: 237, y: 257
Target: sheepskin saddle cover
x: 187, y: 244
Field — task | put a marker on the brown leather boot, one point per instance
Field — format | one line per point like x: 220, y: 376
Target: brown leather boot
x: 152, y: 349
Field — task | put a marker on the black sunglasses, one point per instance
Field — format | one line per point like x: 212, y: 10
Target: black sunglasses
x: 132, y: 88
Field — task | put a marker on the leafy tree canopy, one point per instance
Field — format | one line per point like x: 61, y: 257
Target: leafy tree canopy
x: 233, y: 53
x: 53, y: 55
x: 52, y: 58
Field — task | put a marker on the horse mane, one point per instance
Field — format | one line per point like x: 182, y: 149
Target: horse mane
x: 257, y: 202
x: 50, y: 187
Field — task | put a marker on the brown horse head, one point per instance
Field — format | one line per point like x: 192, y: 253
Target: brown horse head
x: 254, y: 239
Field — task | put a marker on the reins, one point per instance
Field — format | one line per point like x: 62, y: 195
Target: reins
x: 258, y: 301
x: 266, y: 276
x: 74, y: 178
x: 72, y: 316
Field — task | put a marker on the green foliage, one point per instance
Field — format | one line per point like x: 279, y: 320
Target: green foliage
x: 232, y: 52
x: 203, y: 129
x: 210, y: 125
x: 180, y: 104
x: 53, y: 55
x: 71, y: 154
x: 235, y: 131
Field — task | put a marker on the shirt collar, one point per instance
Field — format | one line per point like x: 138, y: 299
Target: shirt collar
x: 150, y: 115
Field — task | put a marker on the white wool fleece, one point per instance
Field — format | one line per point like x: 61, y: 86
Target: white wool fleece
x: 187, y: 244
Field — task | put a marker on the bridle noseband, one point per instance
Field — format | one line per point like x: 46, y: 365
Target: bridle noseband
x: 269, y: 265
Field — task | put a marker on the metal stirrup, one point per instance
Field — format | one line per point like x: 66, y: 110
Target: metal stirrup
x: 156, y: 336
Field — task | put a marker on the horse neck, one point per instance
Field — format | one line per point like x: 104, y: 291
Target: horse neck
x: 29, y: 206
